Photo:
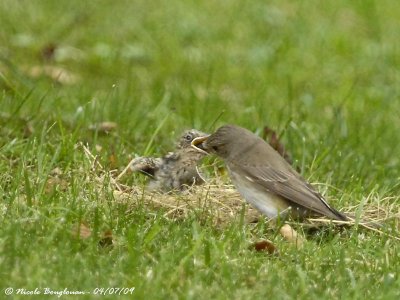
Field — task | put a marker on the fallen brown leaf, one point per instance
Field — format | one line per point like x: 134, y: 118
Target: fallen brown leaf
x: 28, y: 130
x: 48, y: 51
x: 264, y: 245
x: 113, y: 161
x: 106, y: 239
x: 56, y: 172
x: 55, y: 182
x: 104, y: 127
x: 58, y: 74
x: 26, y: 125
x: 273, y: 139
x: 81, y: 231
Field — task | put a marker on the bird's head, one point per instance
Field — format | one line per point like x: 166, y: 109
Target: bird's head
x: 188, y: 136
x: 224, y: 142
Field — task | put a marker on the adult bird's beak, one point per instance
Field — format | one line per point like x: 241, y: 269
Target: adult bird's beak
x: 198, y: 143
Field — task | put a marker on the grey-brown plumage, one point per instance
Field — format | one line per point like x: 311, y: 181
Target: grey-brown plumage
x: 175, y: 171
x: 263, y: 177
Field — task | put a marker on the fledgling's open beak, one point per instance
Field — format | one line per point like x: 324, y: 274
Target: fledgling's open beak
x: 198, y: 144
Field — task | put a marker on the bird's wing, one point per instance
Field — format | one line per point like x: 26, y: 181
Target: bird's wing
x: 291, y: 187
x: 146, y: 165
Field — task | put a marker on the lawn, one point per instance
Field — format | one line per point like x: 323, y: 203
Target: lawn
x: 323, y: 74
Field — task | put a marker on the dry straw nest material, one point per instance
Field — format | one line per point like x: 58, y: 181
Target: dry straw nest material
x: 221, y: 203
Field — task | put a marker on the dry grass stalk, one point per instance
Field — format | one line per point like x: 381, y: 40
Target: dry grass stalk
x: 223, y: 203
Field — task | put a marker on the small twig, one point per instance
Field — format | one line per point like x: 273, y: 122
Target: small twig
x: 125, y: 169
x: 95, y: 161
x: 352, y: 222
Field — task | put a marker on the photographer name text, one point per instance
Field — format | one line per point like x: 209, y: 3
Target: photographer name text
x: 66, y: 292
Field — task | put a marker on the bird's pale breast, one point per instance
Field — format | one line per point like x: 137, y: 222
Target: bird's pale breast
x: 269, y: 204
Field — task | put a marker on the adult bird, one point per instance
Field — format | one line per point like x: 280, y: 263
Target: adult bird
x: 263, y: 177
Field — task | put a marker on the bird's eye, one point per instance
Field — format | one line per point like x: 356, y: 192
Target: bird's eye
x: 188, y: 137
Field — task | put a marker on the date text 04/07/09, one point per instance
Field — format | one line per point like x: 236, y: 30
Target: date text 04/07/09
x: 113, y: 291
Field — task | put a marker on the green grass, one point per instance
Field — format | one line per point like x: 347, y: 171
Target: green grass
x: 324, y: 74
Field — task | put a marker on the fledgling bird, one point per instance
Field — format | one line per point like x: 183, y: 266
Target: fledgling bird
x: 263, y: 177
x: 175, y: 171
